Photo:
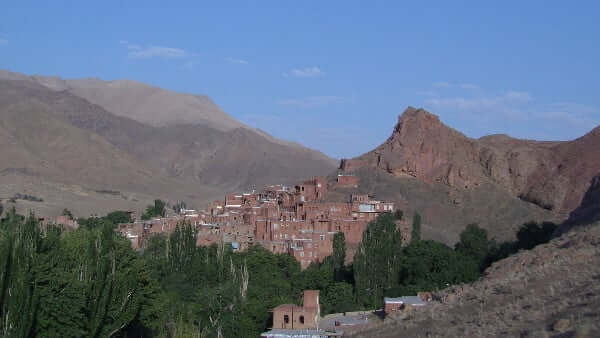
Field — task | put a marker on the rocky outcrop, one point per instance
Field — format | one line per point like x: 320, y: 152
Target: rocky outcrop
x: 589, y: 210
x: 552, y: 175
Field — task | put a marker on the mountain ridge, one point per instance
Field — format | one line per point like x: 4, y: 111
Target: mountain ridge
x: 540, y: 172
x: 194, y: 162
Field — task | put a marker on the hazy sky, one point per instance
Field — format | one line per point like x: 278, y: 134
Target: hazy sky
x: 333, y: 75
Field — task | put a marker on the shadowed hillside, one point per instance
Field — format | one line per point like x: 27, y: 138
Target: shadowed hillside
x: 496, y: 181
x: 549, y: 291
x: 60, y: 137
x: 552, y: 175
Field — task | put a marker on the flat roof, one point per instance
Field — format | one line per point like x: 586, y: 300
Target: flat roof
x: 308, y: 333
x: 287, y: 307
x: 411, y: 300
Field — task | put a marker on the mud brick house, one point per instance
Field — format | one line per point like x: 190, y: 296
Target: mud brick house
x: 291, y: 316
x: 296, y: 220
x: 67, y: 222
x: 347, y: 181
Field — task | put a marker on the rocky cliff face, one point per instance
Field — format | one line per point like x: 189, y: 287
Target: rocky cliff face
x: 589, y: 210
x: 552, y: 175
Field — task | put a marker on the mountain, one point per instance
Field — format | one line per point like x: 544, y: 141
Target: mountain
x: 496, y: 181
x: 56, y: 135
x: 589, y: 210
x: 549, y: 291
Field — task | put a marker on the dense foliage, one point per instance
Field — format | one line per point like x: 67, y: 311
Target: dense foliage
x: 376, y: 263
x: 382, y: 267
x: 177, y: 207
x: 84, y: 283
x: 416, y: 227
x: 156, y: 210
x: 90, y: 283
x: 529, y: 235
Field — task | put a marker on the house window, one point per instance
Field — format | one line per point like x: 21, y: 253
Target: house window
x: 286, y: 319
x: 301, y: 319
x: 302, y: 254
x: 322, y: 237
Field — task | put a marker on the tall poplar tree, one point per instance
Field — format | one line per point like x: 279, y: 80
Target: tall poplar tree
x: 376, y: 261
x: 416, y: 228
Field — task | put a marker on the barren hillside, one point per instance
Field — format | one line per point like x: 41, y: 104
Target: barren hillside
x: 51, y: 133
x: 552, y: 175
x: 496, y: 181
x: 550, y: 291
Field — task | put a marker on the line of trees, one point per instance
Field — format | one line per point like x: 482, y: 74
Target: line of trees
x: 90, y: 283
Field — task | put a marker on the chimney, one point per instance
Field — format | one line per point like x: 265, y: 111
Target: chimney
x: 311, y: 299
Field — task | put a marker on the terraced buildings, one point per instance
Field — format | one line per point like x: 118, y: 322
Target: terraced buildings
x: 298, y: 220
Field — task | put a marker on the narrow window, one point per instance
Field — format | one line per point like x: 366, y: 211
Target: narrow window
x: 301, y: 319
x: 286, y: 319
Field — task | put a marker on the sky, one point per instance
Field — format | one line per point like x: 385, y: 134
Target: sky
x: 333, y: 75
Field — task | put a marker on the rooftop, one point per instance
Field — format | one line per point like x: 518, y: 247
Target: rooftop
x: 288, y: 307
x: 304, y: 333
x: 411, y: 300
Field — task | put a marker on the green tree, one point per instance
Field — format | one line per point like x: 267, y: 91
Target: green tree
x: 416, y: 227
x: 428, y: 265
x: 339, y: 255
x: 532, y: 234
x: 156, y: 210
x: 118, y: 217
x: 375, y: 262
x: 178, y: 206
x: 19, y: 244
x: 67, y: 212
x: 337, y: 298
x: 398, y: 214
x: 474, y: 243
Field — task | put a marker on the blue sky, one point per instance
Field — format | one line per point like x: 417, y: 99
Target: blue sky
x: 333, y: 75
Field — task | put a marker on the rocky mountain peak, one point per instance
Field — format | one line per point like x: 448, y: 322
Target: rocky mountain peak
x: 552, y: 175
x: 417, y: 118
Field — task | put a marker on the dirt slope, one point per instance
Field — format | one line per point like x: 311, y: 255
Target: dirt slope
x: 550, y: 291
x: 58, y: 136
x: 445, y: 210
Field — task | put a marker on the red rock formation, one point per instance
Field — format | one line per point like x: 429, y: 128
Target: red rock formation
x: 553, y: 175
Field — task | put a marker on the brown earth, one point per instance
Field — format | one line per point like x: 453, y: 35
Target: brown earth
x: 60, y: 138
x: 552, y: 290
x: 552, y: 175
x: 589, y: 210
x: 446, y: 210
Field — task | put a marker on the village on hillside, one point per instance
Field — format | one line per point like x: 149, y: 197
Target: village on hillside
x: 296, y: 220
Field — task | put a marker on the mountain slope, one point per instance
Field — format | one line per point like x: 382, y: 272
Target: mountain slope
x: 553, y: 175
x: 551, y: 290
x: 194, y: 162
x: 496, y: 181
x: 138, y: 101
x: 151, y: 105
x: 45, y: 154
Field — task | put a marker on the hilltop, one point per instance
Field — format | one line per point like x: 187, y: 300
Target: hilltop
x: 497, y: 181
